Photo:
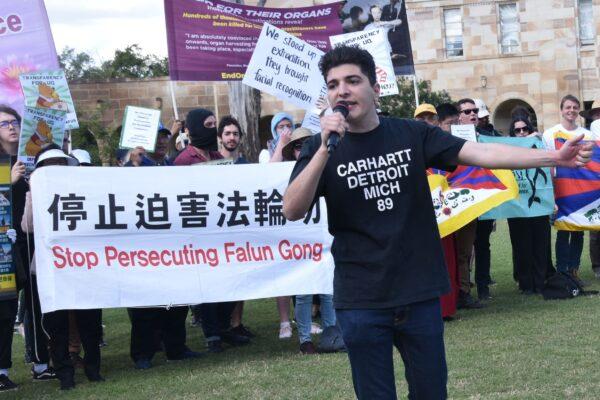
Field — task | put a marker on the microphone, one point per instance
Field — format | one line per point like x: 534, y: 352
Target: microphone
x: 334, y: 138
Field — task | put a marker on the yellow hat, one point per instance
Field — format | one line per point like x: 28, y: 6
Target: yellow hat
x: 425, y: 108
x: 595, y: 106
x: 298, y: 134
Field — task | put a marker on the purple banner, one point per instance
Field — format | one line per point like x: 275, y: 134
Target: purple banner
x: 214, y: 40
x: 26, y: 45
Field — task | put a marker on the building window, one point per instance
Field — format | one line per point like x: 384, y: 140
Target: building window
x: 587, y: 32
x: 509, y: 28
x: 454, y: 32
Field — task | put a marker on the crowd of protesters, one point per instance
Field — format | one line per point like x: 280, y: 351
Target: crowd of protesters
x: 54, y: 340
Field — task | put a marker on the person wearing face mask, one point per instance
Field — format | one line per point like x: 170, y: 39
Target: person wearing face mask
x: 282, y: 125
x: 201, y: 129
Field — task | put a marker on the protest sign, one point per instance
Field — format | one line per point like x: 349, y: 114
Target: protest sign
x: 26, y: 45
x: 140, y: 128
x: 50, y: 90
x: 8, y: 280
x: 577, y: 192
x: 461, y: 196
x: 212, y: 40
x: 39, y: 127
x: 466, y: 132
x: 286, y: 67
x: 390, y: 16
x: 102, y: 242
x: 536, y: 193
x: 375, y: 42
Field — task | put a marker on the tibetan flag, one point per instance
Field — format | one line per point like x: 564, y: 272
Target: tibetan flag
x: 577, y: 193
x: 461, y: 196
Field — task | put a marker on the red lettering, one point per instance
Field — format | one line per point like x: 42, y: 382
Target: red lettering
x: 229, y: 252
x: 110, y: 254
x: 14, y: 23
x: 163, y: 255
x: 123, y: 259
x: 57, y: 250
x: 154, y: 258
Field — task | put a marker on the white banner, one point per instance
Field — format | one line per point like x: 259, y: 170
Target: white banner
x: 286, y: 67
x: 376, y: 43
x: 129, y: 237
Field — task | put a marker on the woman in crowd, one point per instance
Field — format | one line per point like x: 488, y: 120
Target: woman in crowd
x: 529, y: 237
x: 56, y: 323
x: 281, y: 129
x: 303, y: 308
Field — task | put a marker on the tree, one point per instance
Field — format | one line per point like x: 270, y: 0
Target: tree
x: 98, y: 134
x: 244, y: 105
x: 127, y: 63
x: 403, y: 104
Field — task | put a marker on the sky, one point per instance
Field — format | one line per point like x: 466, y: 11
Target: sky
x: 101, y: 27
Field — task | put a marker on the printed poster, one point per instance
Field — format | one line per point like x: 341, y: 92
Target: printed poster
x: 140, y: 128
x: 8, y: 282
x: 50, y: 90
x: 39, y: 128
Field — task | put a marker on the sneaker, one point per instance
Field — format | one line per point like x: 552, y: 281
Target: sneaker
x: 285, y: 330
x: 466, y: 301
x: 308, y: 348
x: 234, y: 339
x: 242, y: 330
x: 143, y: 363
x: 45, y: 375
x: 215, y: 346
x: 315, y: 329
x: 6, y: 384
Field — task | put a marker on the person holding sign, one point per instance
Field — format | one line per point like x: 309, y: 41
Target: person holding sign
x: 389, y: 265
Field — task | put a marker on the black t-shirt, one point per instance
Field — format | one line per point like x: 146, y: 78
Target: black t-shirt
x: 386, y: 246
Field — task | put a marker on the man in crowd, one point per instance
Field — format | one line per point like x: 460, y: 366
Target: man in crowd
x: 426, y: 113
x: 389, y: 266
x: 593, y: 114
x: 465, y: 237
x: 230, y: 134
x: 569, y: 245
x: 447, y: 116
x: 200, y: 125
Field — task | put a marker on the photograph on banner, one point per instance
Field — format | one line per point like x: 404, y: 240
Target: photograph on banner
x: 375, y: 42
x: 286, y: 67
x: 388, y: 15
x: 214, y: 40
x: 466, y: 132
x: 461, y: 196
x: 536, y: 192
x: 140, y: 128
x: 26, y: 46
x: 8, y: 283
x: 199, y: 238
x: 577, y: 192
x: 39, y: 127
x: 50, y: 90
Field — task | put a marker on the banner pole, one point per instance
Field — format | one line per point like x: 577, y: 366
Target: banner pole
x: 172, y: 90
x: 416, y: 87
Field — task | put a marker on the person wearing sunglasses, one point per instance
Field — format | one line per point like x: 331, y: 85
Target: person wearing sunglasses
x: 530, y: 238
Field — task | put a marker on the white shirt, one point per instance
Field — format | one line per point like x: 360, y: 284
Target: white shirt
x: 550, y: 134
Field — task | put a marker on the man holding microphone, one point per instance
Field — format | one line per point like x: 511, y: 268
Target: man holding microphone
x: 389, y: 265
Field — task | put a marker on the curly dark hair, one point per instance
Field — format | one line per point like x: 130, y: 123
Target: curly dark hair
x: 226, y: 121
x: 349, y: 55
x: 511, y: 131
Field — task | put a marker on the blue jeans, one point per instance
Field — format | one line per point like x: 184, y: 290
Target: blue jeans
x: 568, y: 252
x: 303, y: 311
x: 417, y: 331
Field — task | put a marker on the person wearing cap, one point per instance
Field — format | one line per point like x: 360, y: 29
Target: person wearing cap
x: 282, y: 125
x: 593, y: 114
x: 82, y: 156
x: 56, y: 323
x: 427, y: 113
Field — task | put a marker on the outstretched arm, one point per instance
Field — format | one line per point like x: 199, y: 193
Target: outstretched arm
x: 572, y: 154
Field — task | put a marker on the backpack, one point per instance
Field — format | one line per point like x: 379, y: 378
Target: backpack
x: 331, y: 340
x: 562, y: 286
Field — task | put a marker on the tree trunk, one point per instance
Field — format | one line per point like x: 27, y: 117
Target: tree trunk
x: 245, y: 106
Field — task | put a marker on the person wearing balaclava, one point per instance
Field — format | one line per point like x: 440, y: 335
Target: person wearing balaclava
x: 201, y: 128
x: 282, y: 126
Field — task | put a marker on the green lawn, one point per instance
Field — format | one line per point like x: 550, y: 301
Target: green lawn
x: 517, y: 348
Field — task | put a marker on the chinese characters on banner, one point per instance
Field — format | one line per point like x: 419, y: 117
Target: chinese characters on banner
x: 102, y: 242
x: 8, y: 283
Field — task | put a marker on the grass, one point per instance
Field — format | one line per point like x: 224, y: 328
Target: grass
x: 517, y: 348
